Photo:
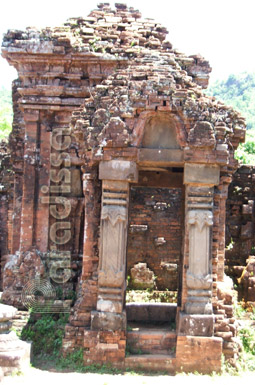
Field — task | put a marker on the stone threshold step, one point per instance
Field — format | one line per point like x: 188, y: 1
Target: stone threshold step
x: 153, y: 332
x: 151, y: 341
x: 151, y: 362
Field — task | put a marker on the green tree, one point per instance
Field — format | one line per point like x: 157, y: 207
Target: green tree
x: 6, y: 115
x: 238, y: 91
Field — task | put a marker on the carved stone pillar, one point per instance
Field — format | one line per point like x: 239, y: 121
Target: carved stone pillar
x: 116, y: 176
x: 197, y: 318
x: 111, y: 275
x: 199, y: 278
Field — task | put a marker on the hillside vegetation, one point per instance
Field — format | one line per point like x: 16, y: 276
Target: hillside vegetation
x: 238, y: 91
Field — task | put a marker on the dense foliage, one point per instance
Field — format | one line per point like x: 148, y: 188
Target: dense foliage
x: 246, y: 152
x: 5, y: 113
x: 238, y: 91
x: 46, y: 333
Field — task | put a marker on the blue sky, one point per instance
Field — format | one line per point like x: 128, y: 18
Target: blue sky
x: 223, y: 31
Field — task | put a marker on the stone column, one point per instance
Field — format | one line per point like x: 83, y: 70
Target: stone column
x: 197, y: 318
x: 116, y: 175
x: 199, y: 274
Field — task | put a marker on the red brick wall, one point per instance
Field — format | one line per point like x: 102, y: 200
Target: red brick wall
x: 240, y: 231
x: 157, y: 202
x: 240, y: 219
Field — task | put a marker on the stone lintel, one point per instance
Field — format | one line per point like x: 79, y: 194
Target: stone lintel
x: 160, y: 157
x: 200, y: 325
x: 123, y: 170
x: 108, y: 321
x: 201, y: 174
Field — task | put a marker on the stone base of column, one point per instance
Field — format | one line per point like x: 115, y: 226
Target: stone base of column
x: 199, y: 305
x: 108, y: 321
x: 200, y: 325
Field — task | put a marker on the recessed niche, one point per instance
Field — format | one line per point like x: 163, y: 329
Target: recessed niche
x: 160, y: 132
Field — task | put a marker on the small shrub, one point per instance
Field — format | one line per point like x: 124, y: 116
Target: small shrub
x: 72, y: 361
x: 247, y: 335
x: 46, y: 333
x: 239, y: 310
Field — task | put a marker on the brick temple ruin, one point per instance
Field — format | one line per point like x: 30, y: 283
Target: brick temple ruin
x: 118, y: 158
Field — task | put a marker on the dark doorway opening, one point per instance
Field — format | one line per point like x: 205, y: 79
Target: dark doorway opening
x: 154, y: 257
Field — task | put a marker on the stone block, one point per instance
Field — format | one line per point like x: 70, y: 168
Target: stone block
x: 108, y: 321
x: 151, y: 312
x: 148, y: 156
x: 201, y: 174
x: 142, y: 277
x: 247, y: 230
x: 247, y: 209
x: 118, y: 170
x: 196, y: 325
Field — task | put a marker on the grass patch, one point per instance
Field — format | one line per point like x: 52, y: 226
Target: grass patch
x: 247, y: 336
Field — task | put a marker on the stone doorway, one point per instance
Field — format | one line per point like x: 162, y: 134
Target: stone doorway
x: 154, y: 253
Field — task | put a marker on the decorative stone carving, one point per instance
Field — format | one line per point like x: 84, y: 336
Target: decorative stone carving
x: 114, y: 214
x: 200, y: 218
x: 116, y: 175
x: 199, y: 247
x: 195, y: 282
x: 111, y: 275
x: 199, y: 280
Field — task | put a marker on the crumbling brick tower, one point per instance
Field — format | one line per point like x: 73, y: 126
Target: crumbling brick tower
x: 105, y: 99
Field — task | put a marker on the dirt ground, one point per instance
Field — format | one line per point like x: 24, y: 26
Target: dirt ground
x: 37, y: 377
